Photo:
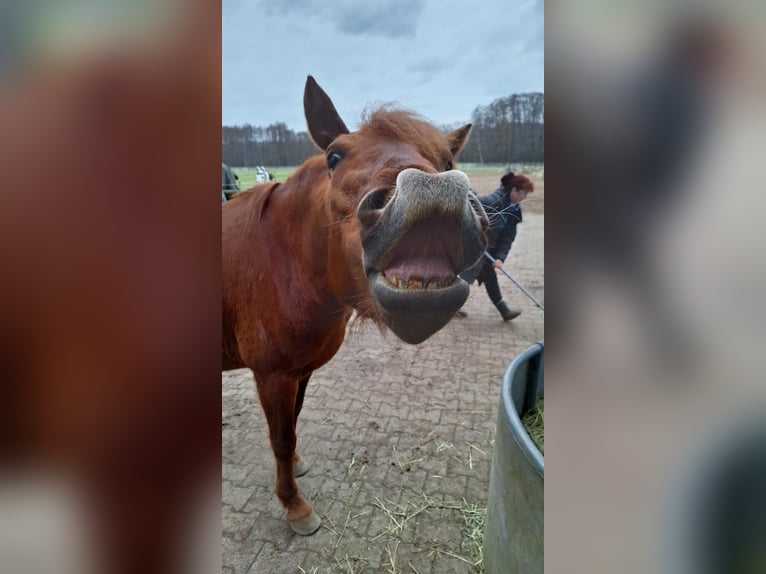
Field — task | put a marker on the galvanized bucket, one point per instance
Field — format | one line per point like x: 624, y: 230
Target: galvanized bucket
x: 513, y: 535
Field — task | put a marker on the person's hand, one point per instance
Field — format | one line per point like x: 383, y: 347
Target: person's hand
x: 498, y: 264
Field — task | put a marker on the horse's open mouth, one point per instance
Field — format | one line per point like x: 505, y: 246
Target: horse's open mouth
x: 399, y: 282
x: 420, y: 273
x: 413, y: 312
x: 418, y: 290
x: 426, y: 256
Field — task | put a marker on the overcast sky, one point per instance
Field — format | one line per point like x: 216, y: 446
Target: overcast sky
x: 440, y: 58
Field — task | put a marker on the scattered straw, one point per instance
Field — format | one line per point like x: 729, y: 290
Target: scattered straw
x: 345, y: 525
x: 398, y: 461
x: 474, y: 517
x: 429, y: 437
x: 534, y: 421
x: 392, y: 558
x: 474, y: 447
x: 400, y: 514
x: 395, y: 526
x: 358, y: 465
x: 444, y: 446
x: 439, y: 550
x: 329, y: 524
x: 346, y: 564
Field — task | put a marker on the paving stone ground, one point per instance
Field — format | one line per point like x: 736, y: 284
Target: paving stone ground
x: 386, y: 428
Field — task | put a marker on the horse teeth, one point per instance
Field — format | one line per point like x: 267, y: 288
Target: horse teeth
x: 400, y: 282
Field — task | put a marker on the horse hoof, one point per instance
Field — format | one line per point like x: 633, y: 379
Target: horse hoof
x: 300, y: 468
x: 306, y: 526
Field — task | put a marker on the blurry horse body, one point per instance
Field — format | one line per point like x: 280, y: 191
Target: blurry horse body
x: 380, y: 224
x: 111, y: 315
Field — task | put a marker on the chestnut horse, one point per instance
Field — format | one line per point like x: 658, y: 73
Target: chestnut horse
x: 380, y: 224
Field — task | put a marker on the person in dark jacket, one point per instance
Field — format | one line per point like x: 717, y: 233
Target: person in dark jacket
x: 504, y: 214
x: 229, y: 181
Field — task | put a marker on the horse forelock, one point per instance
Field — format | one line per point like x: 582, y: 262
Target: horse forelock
x: 391, y: 123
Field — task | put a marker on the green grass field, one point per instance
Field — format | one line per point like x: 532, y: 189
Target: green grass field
x: 247, y: 174
x: 535, y: 171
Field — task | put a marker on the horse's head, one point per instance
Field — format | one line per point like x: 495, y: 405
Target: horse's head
x: 405, y: 222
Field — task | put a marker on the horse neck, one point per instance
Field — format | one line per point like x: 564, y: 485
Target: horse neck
x: 308, y: 221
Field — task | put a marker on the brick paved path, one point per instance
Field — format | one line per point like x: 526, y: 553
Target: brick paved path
x: 399, y: 439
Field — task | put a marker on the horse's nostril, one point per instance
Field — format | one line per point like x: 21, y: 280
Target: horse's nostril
x: 372, y: 204
x: 377, y: 199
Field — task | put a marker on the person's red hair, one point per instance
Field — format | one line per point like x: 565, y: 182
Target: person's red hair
x: 521, y: 182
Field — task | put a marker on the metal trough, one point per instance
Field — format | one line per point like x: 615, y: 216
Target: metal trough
x: 513, y: 535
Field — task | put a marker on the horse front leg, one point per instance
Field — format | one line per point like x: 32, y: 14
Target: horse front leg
x: 278, y: 397
x: 300, y: 467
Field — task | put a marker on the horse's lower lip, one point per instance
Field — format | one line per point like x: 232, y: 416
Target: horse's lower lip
x: 416, y: 314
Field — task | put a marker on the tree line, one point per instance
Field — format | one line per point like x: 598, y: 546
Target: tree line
x: 508, y: 130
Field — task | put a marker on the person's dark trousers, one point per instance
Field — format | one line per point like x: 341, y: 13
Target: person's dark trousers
x: 489, y: 278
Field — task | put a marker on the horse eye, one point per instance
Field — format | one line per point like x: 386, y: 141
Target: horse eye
x: 448, y: 166
x: 332, y: 160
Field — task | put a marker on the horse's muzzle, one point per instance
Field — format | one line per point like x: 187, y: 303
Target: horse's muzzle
x: 416, y: 242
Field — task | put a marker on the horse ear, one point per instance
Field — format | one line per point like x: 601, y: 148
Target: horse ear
x: 457, y: 138
x: 322, y: 118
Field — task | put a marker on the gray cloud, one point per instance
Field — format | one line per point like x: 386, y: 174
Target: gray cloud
x: 387, y: 18
x: 291, y: 7
x: 440, y: 58
x: 395, y: 18
x: 430, y: 66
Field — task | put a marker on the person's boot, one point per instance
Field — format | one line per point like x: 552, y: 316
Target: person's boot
x: 507, y: 313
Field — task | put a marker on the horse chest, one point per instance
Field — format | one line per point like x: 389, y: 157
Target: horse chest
x: 318, y: 339
x: 302, y: 343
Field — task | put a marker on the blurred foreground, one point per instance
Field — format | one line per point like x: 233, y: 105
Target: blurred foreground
x: 655, y: 434
x: 110, y: 258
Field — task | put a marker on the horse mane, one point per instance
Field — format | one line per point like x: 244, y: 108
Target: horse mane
x: 256, y: 199
x: 397, y: 123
